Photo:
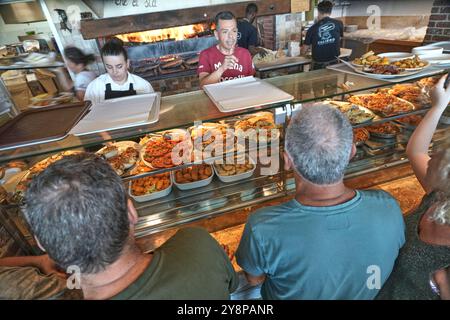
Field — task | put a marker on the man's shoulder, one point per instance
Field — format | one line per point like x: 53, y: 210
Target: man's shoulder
x: 208, y: 51
x: 376, y: 195
x: 246, y: 24
x: 239, y: 51
x: 192, y: 237
x: 268, y: 214
x: 379, y: 198
x: 336, y: 21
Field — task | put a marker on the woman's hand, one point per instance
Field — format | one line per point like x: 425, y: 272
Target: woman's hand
x: 440, y: 97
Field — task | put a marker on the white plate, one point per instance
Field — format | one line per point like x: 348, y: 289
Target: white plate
x: 427, y: 50
x: 236, y: 177
x: 153, y: 195
x: 395, y: 56
x: 192, y: 185
x: 144, y: 147
x: 441, y: 59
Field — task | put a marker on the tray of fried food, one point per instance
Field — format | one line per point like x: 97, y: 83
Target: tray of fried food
x: 209, y: 135
x: 369, y: 59
x: 360, y: 135
x: 196, y: 176
x: 355, y: 113
x: 121, y: 155
x: 166, y: 150
x: 150, y: 187
x: 383, y: 103
x: 257, y: 127
x: 235, y: 168
x: 427, y: 83
x: 386, y: 130
x: 411, y: 92
x: 411, y: 64
x: 410, y: 122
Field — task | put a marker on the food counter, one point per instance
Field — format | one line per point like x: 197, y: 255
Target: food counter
x: 220, y: 197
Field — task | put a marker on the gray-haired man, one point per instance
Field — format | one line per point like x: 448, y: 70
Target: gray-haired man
x: 79, y: 213
x: 330, y: 241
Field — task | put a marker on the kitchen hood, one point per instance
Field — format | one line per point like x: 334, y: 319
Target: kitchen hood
x: 14, y: 12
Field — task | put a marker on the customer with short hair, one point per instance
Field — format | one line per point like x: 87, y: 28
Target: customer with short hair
x: 80, y: 215
x: 427, y: 247
x: 330, y: 241
x: 324, y: 37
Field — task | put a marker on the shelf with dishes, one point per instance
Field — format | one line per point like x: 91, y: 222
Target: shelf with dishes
x: 189, y: 158
x: 175, y: 175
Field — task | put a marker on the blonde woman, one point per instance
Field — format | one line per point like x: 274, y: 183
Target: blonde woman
x: 427, y: 247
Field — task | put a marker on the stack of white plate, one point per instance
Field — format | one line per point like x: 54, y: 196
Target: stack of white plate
x: 432, y: 54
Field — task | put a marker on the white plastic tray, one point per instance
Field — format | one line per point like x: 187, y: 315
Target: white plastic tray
x: 120, y: 113
x: 153, y: 195
x: 236, y: 177
x: 192, y: 185
x: 244, y: 93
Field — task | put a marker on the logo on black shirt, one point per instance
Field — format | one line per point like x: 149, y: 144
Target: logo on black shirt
x: 325, y: 36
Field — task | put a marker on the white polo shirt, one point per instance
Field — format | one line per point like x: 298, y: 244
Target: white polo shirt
x: 96, y: 89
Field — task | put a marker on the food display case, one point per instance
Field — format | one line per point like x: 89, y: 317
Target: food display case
x: 169, y: 193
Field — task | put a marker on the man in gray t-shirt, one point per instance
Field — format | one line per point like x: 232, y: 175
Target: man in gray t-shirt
x: 330, y: 241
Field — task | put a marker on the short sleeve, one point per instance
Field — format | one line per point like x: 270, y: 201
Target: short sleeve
x: 341, y: 27
x: 203, y: 63
x: 308, y: 37
x: 249, y: 255
x: 29, y: 283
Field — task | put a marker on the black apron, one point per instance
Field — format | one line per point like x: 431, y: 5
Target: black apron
x: 112, y: 94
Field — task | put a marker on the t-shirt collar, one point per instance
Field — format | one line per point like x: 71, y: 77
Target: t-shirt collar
x: 348, y: 205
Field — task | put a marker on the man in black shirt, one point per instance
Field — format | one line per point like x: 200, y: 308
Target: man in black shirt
x: 324, y: 37
x: 247, y: 32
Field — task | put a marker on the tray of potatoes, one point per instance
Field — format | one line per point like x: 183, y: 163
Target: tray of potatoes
x: 230, y: 172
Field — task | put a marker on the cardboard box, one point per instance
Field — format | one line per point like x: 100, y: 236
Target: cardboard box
x: 46, y: 80
x: 20, y: 94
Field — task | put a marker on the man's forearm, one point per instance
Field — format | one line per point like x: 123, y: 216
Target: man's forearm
x: 211, y: 78
x: 25, y: 261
